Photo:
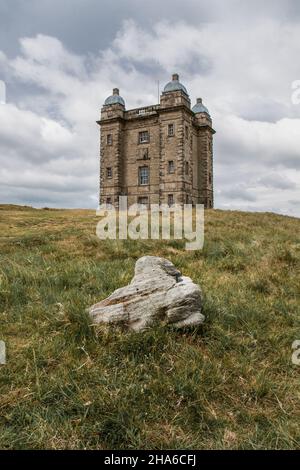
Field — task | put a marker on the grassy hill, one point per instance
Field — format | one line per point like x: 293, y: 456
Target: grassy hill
x: 230, y: 384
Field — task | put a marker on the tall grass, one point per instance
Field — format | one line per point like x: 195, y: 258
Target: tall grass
x: 230, y: 384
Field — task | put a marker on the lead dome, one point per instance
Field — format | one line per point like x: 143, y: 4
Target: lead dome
x: 199, y: 107
x: 115, y: 98
x: 175, y: 85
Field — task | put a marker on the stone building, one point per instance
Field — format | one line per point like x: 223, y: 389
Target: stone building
x: 160, y: 154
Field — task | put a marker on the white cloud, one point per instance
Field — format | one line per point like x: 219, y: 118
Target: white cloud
x: 22, y: 132
x: 271, y: 143
x: 49, y: 139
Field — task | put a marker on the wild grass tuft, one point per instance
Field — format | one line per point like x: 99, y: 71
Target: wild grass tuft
x: 229, y: 384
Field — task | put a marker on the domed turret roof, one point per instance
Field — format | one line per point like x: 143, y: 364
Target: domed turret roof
x: 175, y: 85
x: 114, y: 98
x: 199, y: 107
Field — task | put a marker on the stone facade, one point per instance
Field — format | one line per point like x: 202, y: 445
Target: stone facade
x: 159, y: 154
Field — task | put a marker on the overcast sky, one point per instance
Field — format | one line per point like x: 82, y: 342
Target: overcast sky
x: 60, y: 60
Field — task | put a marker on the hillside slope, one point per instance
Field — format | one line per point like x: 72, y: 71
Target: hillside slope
x: 231, y: 384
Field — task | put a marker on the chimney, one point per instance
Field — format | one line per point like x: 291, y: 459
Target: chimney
x: 115, y: 91
x: 199, y: 100
x: 175, y: 76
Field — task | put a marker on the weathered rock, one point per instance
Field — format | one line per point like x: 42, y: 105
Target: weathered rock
x: 157, y: 293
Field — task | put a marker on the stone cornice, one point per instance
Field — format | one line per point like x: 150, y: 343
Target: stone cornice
x: 205, y: 126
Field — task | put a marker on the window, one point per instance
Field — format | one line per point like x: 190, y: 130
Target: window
x: 143, y: 200
x: 145, y: 154
x: 186, y: 168
x: 209, y: 178
x: 109, y: 139
x: 170, y: 200
x: 108, y: 200
x: 170, y: 130
x: 186, y: 132
x: 143, y: 175
x: 143, y: 137
x: 109, y: 172
x: 171, y: 167
x: 186, y: 198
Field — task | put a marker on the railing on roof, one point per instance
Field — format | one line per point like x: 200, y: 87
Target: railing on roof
x: 142, y: 111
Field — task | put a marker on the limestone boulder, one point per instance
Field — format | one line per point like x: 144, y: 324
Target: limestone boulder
x: 157, y: 293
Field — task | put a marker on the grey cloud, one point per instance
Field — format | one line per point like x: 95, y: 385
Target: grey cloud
x: 71, y: 21
x: 294, y: 202
x: 152, y: 67
x: 197, y: 64
x: 243, y: 79
x: 234, y: 150
x: 238, y: 193
x: 276, y: 181
x: 264, y: 110
x: 90, y: 25
x: 53, y: 182
x: 42, y: 198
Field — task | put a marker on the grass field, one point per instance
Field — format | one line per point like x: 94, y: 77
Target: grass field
x: 228, y: 385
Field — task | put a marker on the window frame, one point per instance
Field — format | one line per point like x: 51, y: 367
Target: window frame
x: 143, y: 203
x: 109, y: 172
x: 172, y: 202
x: 141, y: 177
x: 171, y: 164
x: 186, y: 132
x: 145, y: 153
x: 144, y: 141
x: 109, y: 139
x: 171, y: 125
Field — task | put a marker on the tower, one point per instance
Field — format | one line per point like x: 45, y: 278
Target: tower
x: 204, y: 159
x: 111, y: 149
x: 157, y: 154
